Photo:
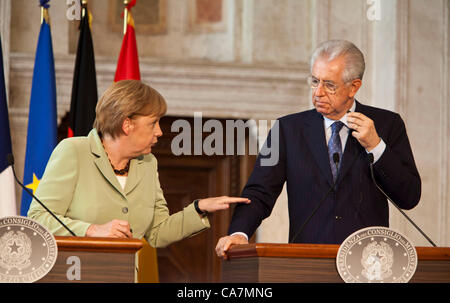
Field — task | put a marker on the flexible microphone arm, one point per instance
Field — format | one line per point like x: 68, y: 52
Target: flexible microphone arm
x: 10, y: 159
x: 336, y: 162
x: 393, y: 203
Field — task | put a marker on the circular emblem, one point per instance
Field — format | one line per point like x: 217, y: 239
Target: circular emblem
x: 376, y: 255
x: 28, y: 251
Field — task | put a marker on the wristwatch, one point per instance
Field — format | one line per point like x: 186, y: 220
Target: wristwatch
x: 199, y: 211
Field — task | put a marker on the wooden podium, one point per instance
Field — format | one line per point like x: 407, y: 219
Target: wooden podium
x: 312, y: 263
x: 87, y: 260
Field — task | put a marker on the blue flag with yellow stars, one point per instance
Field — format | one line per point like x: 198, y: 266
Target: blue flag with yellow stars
x: 42, y: 127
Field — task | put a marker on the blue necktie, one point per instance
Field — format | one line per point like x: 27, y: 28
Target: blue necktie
x: 335, y: 146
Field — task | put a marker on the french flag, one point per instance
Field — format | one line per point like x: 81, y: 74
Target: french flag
x: 7, y: 189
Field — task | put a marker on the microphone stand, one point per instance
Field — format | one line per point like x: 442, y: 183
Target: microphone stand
x: 393, y: 203
x: 10, y: 159
x: 332, y: 188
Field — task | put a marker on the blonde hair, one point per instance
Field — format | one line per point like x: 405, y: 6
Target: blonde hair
x: 125, y: 99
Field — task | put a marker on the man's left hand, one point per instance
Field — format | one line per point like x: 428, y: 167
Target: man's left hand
x: 364, y: 130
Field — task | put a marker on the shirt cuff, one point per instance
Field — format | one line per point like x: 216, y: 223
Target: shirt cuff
x: 240, y: 233
x: 378, y: 151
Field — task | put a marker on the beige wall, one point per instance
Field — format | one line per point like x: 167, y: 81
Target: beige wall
x: 254, y: 65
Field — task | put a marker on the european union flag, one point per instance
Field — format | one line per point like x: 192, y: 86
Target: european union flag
x: 42, y: 128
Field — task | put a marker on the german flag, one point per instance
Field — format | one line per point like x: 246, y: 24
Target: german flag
x: 84, y: 87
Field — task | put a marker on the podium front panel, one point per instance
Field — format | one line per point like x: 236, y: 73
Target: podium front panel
x: 90, y: 260
x: 92, y: 267
x: 314, y: 263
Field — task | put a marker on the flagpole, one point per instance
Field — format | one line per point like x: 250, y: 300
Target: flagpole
x: 83, y: 7
x: 44, y: 15
x: 44, y: 11
x: 125, y: 16
x: 42, y: 115
x: 84, y: 85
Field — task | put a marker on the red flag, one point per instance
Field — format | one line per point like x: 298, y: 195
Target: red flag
x: 128, y: 64
x: 128, y: 69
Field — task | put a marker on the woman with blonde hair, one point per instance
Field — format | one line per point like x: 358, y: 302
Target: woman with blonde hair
x: 106, y: 184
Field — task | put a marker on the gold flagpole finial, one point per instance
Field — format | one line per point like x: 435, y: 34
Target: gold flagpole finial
x: 84, y: 10
x: 83, y: 7
x: 125, y: 16
x: 44, y: 15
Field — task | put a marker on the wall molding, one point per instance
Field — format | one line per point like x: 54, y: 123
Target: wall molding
x: 217, y: 90
x: 5, y: 23
x: 402, y: 56
x: 320, y: 12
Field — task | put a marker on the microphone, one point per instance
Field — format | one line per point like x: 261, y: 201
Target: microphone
x: 332, y: 188
x: 371, y: 159
x: 10, y: 160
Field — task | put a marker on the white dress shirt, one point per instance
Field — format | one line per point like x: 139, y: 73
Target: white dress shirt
x: 377, y: 151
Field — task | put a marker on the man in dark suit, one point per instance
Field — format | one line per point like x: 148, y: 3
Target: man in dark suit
x: 327, y: 146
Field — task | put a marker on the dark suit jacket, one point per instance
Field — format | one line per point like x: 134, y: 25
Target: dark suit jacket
x: 304, y: 165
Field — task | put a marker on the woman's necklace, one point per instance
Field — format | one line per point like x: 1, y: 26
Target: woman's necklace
x: 123, y: 171
x: 120, y: 172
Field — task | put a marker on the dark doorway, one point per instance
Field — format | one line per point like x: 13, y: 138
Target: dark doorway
x: 185, y: 178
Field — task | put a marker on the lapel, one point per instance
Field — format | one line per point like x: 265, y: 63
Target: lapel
x: 135, y: 174
x: 315, y: 136
x: 102, y: 162
x: 351, y: 151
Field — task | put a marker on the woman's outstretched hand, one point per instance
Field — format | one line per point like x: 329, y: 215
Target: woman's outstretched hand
x: 211, y: 205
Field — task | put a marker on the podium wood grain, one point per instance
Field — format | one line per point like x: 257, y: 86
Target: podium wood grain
x: 312, y: 263
x: 102, y: 260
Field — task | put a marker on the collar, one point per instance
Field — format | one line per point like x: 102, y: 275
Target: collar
x: 96, y: 143
x: 328, y: 122
x: 98, y: 149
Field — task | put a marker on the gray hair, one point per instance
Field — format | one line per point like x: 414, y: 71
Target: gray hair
x: 354, y: 58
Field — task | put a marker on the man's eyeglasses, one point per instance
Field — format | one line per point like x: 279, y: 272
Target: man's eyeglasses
x: 328, y: 86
